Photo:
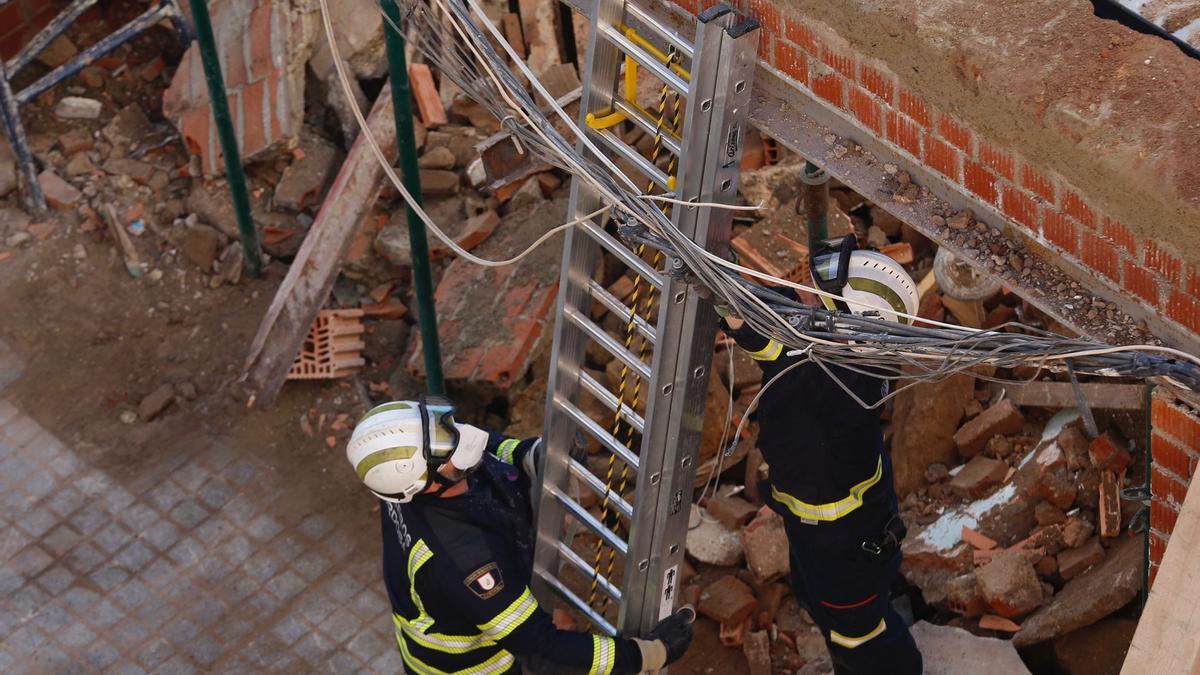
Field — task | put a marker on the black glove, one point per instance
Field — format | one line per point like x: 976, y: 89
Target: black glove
x: 675, y: 632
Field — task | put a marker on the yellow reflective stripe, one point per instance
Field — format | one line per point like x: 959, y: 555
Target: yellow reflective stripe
x: 604, y: 655
x: 418, y: 556
x: 506, y: 450
x: 451, y: 644
x: 499, y: 663
x: 852, y: 642
x: 768, y: 353
x: 512, y: 617
x: 832, y: 510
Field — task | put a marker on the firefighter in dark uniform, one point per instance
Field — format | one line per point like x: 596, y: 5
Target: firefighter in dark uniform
x: 831, y: 481
x: 458, y: 552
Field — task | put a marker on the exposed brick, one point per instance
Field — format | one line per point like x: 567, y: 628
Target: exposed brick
x: 425, y: 94
x: 261, y: 55
x: 904, y: 132
x: 1163, y: 516
x: 943, y: 158
x: 255, y: 109
x: 791, y: 61
x: 1037, y: 183
x: 980, y: 181
x: 1074, y: 206
x: 1164, y: 262
x: 1167, y: 487
x: 234, y: 63
x: 914, y: 107
x: 767, y: 15
x: 728, y: 601
x: 801, y: 35
x: 839, y: 61
x: 1170, y: 419
x: 997, y: 160
x: 1021, y: 208
x: 1183, y: 308
x: 830, y: 88
x: 1170, y: 457
x: 954, y: 133
x: 1100, y: 255
x: 866, y: 109
x: 1141, y: 282
x: 1158, y: 546
x: 1061, y: 231
x: 877, y: 83
x: 1118, y: 234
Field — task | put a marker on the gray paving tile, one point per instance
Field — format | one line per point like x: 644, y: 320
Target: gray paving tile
x: 105, y: 613
x: 133, y: 594
x: 61, y: 539
x: 84, y: 558
x: 369, y: 602
x: 241, y: 472
x: 315, y: 606
x: 189, y: 513
x: 188, y: 552
x: 369, y: 645
x: 139, y: 517
x: 191, y: 475
x: 231, y: 630
x: 204, y: 650
x: 89, y: 519
x: 44, y: 446
x: 56, y: 579
x: 290, y: 628
x: 118, y: 498
x: 261, y: 605
x: 165, y: 495
x: 342, y: 662
x: 263, y: 528
x: 10, y: 580
x: 29, y: 561
x: 262, y: 565
x: 162, y: 535
x: 181, y: 631
x: 205, y: 611
x: 155, y: 653
x: 65, y: 465
x: 237, y: 550
x: 38, y: 484
x: 290, y: 545
x: 215, y: 493
x: 20, y: 430
x: 155, y: 612
x: 214, y: 531
x: 12, y: 541
x: 177, y: 666
x: 81, y: 600
x: 109, y: 576
x: 341, y: 625
x: 100, y: 654
x: 75, y: 635
x: 112, y: 537
x: 94, y: 484
x: 241, y: 509
x: 311, y: 565
x: 314, y: 648
x: 24, y: 641
x: 316, y: 525
x: 28, y: 600
x: 52, y: 618
x: 286, y: 585
x: 128, y: 635
x: 389, y: 662
x: 159, y: 574
x: 127, y: 668
x: 342, y: 587
x: 134, y: 556
x: 37, y: 521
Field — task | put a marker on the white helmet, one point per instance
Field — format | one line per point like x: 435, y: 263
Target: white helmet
x: 870, y: 281
x: 398, y: 447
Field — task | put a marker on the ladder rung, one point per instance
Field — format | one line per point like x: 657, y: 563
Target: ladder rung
x: 577, y: 602
x: 610, y: 302
x: 608, y: 342
x: 650, y: 126
x: 630, y: 154
x: 588, y: 571
x: 645, y: 60
x: 610, y: 401
x: 581, y: 472
x: 596, y: 431
x: 631, y: 260
x: 587, y: 520
x: 643, y: 17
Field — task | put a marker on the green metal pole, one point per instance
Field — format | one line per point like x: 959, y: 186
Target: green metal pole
x: 815, y: 194
x: 233, y: 159
x: 407, y: 144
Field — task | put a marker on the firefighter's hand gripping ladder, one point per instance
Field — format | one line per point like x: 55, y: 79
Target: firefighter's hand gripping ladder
x: 665, y: 341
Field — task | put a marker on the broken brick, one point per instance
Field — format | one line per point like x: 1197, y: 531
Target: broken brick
x: 59, y: 193
x: 425, y: 93
x: 1075, y: 445
x: 1010, y: 585
x: 1076, y: 532
x: 1048, y: 514
x: 963, y: 596
x: 993, y: 622
x: 734, y: 512
x: 1110, y: 451
x: 728, y: 601
x: 1002, y: 418
x: 1110, y: 504
x: 1057, y: 487
x: 977, y: 540
x: 1074, y: 561
x: 978, y: 476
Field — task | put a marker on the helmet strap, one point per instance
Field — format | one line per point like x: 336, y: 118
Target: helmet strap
x: 434, y: 464
x: 828, y: 253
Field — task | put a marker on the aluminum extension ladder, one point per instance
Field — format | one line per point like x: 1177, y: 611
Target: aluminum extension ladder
x: 665, y: 345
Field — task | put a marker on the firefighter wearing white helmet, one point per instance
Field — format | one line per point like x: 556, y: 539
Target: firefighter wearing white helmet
x: 458, y: 551
x: 831, y: 479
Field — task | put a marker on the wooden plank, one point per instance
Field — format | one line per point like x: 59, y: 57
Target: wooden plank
x: 316, y: 265
x: 1168, y: 634
x: 1101, y: 395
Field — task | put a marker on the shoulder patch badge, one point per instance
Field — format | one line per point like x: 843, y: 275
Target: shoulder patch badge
x: 485, y: 581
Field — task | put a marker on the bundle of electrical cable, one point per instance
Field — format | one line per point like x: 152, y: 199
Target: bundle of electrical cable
x: 457, y: 37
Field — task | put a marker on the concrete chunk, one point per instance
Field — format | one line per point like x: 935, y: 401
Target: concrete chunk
x: 765, y: 544
x: 978, y: 476
x: 953, y: 651
x: 734, y: 512
x: 1010, y: 585
x: 1074, y: 561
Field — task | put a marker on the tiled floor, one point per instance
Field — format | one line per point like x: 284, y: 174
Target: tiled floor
x: 200, y: 571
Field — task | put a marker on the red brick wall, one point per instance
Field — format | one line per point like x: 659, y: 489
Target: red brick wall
x: 1041, y: 204
x: 264, y: 81
x: 1175, y: 448
x: 20, y: 20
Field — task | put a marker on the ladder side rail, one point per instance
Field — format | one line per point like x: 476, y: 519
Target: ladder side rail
x: 676, y: 417
x: 581, y: 252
